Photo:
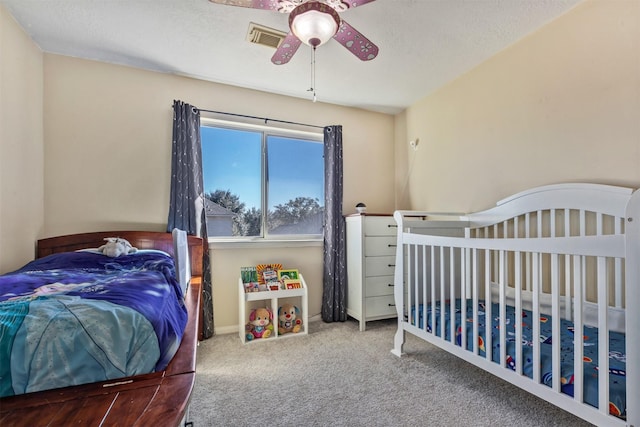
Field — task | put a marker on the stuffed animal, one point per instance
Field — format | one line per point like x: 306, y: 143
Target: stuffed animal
x: 116, y: 246
x: 259, y: 325
x: 288, y: 319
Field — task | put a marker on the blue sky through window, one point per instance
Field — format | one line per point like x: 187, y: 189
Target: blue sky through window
x: 232, y: 161
x: 295, y: 169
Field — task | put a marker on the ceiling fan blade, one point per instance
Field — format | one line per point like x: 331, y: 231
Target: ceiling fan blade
x: 287, y: 48
x: 355, y: 42
x: 355, y: 3
x: 254, y: 4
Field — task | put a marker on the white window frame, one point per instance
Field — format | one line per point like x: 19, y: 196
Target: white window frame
x: 292, y: 240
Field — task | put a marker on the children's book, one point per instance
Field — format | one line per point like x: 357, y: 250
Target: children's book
x: 288, y: 274
x: 268, y: 276
x: 292, y: 283
x: 249, y: 276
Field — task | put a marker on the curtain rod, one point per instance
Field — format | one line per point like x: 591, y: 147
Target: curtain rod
x: 261, y: 118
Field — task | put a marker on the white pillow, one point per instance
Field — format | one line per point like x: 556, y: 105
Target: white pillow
x: 181, y: 257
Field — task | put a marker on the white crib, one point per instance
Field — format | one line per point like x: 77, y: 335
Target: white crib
x: 543, y: 263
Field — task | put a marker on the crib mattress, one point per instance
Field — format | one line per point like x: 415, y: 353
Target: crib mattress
x: 617, y: 358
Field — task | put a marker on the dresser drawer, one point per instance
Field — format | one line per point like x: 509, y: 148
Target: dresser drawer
x: 379, y: 266
x: 379, y: 245
x: 378, y: 285
x: 380, y: 226
x: 380, y: 306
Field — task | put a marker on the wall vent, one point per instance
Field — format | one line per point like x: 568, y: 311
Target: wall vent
x: 265, y: 36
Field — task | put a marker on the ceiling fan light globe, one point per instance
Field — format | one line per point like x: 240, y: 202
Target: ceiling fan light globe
x: 314, y: 23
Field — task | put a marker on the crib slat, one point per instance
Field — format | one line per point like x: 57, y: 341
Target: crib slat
x: 425, y: 295
x: 578, y: 334
x: 603, y: 337
x: 487, y: 305
x: 495, y: 260
x: 518, y: 308
x: 466, y: 274
x: 433, y: 291
x: 464, y: 271
x: 539, y: 221
x: 555, y: 310
x: 467, y: 268
x: 412, y: 294
x: 555, y: 326
x: 527, y: 234
x: 474, y: 308
x: 536, y: 302
x: 411, y: 278
x: 503, y: 309
x: 536, y: 316
x: 476, y: 299
x: 618, y: 269
x: 567, y: 268
x: 452, y: 297
x: 442, y: 296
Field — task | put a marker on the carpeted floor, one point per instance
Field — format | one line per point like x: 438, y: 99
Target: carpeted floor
x: 338, y: 376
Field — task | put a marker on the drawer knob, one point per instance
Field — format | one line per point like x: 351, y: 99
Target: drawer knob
x: 392, y: 225
x: 391, y: 265
x: 390, y: 284
x: 392, y: 305
x: 392, y: 246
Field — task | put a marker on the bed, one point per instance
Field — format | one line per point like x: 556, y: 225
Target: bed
x: 149, y: 374
x: 508, y: 290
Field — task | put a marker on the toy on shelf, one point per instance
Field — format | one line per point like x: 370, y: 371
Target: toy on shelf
x: 259, y: 325
x: 249, y: 276
x: 288, y: 319
x: 290, y: 279
x: 268, y: 276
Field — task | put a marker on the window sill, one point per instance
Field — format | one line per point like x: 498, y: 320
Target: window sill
x: 263, y: 243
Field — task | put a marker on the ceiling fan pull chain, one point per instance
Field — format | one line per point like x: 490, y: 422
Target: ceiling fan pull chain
x: 313, y: 72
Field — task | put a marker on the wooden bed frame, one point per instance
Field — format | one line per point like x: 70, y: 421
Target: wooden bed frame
x: 156, y: 399
x: 571, y: 251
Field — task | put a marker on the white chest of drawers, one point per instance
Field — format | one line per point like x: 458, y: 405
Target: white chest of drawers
x: 371, y: 250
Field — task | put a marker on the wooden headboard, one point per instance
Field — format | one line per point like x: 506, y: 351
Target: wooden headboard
x: 139, y: 239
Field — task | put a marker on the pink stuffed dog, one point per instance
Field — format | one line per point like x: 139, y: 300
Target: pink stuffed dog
x: 259, y: 325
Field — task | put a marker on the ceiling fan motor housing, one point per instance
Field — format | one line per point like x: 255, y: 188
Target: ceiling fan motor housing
x: 314, y: 23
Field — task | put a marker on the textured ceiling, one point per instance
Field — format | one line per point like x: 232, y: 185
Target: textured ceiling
x: 423, y: 43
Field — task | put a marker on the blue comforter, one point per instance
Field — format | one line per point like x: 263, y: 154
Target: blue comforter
x: 81, y: 317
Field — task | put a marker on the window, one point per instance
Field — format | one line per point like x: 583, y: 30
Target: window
x: 262, y: 182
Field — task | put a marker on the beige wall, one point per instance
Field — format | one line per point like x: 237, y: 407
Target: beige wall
x: 108, y: 141
x: 108, y: 159
x: 21, y: 145
x: 561, y: 105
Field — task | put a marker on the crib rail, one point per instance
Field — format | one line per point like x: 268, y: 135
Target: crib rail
x: 562, y: 264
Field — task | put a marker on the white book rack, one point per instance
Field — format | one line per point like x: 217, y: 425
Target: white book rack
x: 272, y: 299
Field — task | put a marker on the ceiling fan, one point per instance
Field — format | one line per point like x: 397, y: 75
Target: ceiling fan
x: 313, y: 22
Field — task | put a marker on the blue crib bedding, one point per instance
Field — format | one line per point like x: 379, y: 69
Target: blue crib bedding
x: 80, y: 317
x: 617, y: 359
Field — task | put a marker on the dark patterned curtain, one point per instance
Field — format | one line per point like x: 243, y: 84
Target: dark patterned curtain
x: 334, y: 290
x: 186, y: 205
